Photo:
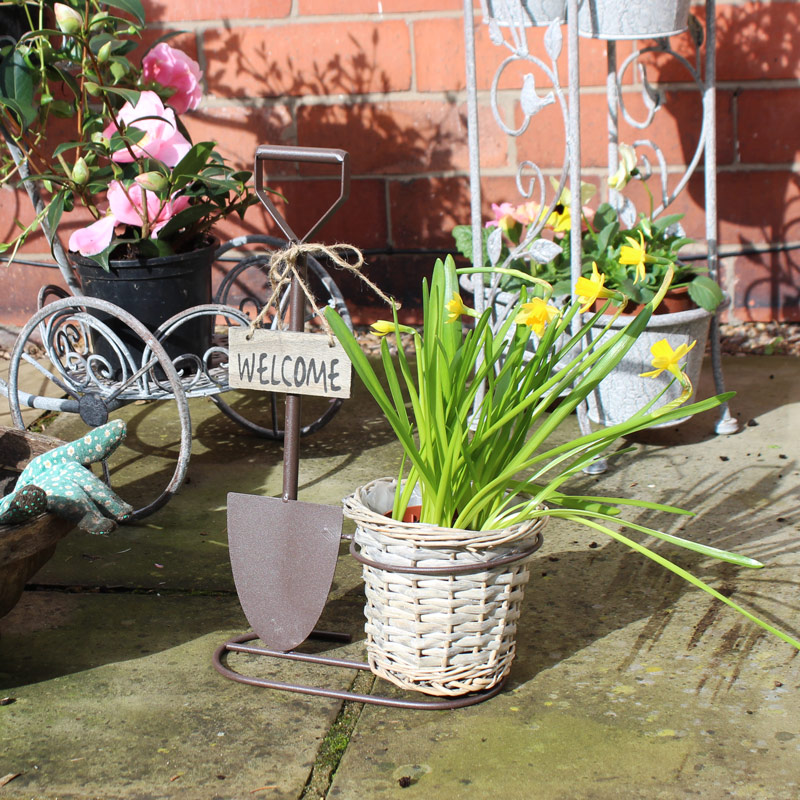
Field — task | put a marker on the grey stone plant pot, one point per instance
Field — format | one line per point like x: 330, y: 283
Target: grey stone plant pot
x: 632, y: 19
x: 530, y: 12
x: 622, y: 393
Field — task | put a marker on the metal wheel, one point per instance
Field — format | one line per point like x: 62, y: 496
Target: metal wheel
x: 246, y: 287
x: 101, y: 359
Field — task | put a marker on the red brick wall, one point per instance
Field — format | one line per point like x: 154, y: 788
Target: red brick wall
x: 384, y: 79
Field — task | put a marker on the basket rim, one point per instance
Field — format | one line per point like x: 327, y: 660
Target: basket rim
x: 426, y: 535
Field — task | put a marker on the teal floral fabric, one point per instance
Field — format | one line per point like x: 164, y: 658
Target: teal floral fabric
x: 60, y: 482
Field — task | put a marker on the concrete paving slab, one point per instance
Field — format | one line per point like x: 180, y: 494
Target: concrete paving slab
x: 628, y: 682
x: 115, y: 696
x: 184, y: 545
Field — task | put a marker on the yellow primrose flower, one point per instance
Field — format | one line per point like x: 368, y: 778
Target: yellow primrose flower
x: 634, y: 253
x: 560, y: 220
x: 536, y: 315
x: 588, y: 290
x: 665, y: 358
x: 626, y: 168
x: 382, y: 327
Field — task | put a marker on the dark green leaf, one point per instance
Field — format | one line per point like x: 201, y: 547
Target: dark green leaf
x: 705, y: 292
x: 185, y: 219
x: 16, y: 87
x: 131, y: 95
x: 54, y: 211
x: 187, y: 169
x: 132, y: 7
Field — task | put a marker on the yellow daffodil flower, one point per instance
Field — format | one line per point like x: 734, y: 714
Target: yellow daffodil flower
x: 536, y: 315
x: 626, y: 169
x: 665, y: 358
x: 634, y: 253
x: 588, y: 290
x: 456, y: 308
x: 382, y: 327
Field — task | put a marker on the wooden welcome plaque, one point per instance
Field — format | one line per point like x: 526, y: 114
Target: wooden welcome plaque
x: 287, y: 362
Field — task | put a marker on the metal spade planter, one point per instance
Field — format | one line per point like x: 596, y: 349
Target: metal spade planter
x: 283, y: 553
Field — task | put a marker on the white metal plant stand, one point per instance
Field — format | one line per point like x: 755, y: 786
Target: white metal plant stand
x: 507, y: 22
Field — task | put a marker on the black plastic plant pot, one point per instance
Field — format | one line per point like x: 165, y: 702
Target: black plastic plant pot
x: 153, y: 290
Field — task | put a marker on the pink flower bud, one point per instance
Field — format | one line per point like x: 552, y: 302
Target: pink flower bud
x: 68, y: 19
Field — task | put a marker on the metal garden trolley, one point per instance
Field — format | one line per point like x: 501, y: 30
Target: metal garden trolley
x: 94, y: 370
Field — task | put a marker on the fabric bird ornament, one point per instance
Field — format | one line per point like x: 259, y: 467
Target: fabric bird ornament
x: 60, y: 482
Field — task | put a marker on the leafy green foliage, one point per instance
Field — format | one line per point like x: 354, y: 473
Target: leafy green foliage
x: 488, y: 464
x: 601, y: 243
x: 84, y: 64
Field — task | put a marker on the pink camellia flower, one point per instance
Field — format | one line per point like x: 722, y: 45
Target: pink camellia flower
x: 94, y: 238
x: 161, y: 140
x: 127, y: 209
x: 131, y: 208
x: 174, y: 69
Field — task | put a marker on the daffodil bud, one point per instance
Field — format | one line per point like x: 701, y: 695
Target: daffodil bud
x: 152, y: 181
x: 103, y: 53
x: 68, y: 19
x: 80, y: 172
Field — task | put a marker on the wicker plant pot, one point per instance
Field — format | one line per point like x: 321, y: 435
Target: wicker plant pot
x: 442, y: 604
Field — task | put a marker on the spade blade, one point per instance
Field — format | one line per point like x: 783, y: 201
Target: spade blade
x: 283, y: 555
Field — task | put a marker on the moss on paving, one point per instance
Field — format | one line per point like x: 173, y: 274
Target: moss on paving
x: 336, y: 741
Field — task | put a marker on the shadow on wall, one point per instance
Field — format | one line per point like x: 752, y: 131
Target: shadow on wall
x: 321, y: 103
x: 756, y: 126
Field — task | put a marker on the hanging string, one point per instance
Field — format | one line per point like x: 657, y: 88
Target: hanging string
x: 283, y: 268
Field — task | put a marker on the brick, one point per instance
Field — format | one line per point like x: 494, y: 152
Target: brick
x: 183, y: 41
x: 767, y: 128
x: 21, y: 285
x: 544, y: 141
x: 191, y: 10
x: 424, y: 211
x: 309, y: 7
x: 239, y: 130
x: 361, y: 221
x: 435, y: 73
x: 677, y: 125
x: 299, y: 60
x: 398, y: 137
x: 765, y: 288
x: 758, y: 206
x: 757, y: 41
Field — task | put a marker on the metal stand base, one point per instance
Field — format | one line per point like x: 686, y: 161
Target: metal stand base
x: 237, y: 645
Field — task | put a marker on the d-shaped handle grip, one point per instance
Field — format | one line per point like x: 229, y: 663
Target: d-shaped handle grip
x: 312, y: 155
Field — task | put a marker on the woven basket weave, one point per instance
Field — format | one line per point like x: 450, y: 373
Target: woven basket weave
x: 439, y: 634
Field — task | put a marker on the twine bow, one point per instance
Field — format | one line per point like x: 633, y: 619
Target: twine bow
x: 283, y: 268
